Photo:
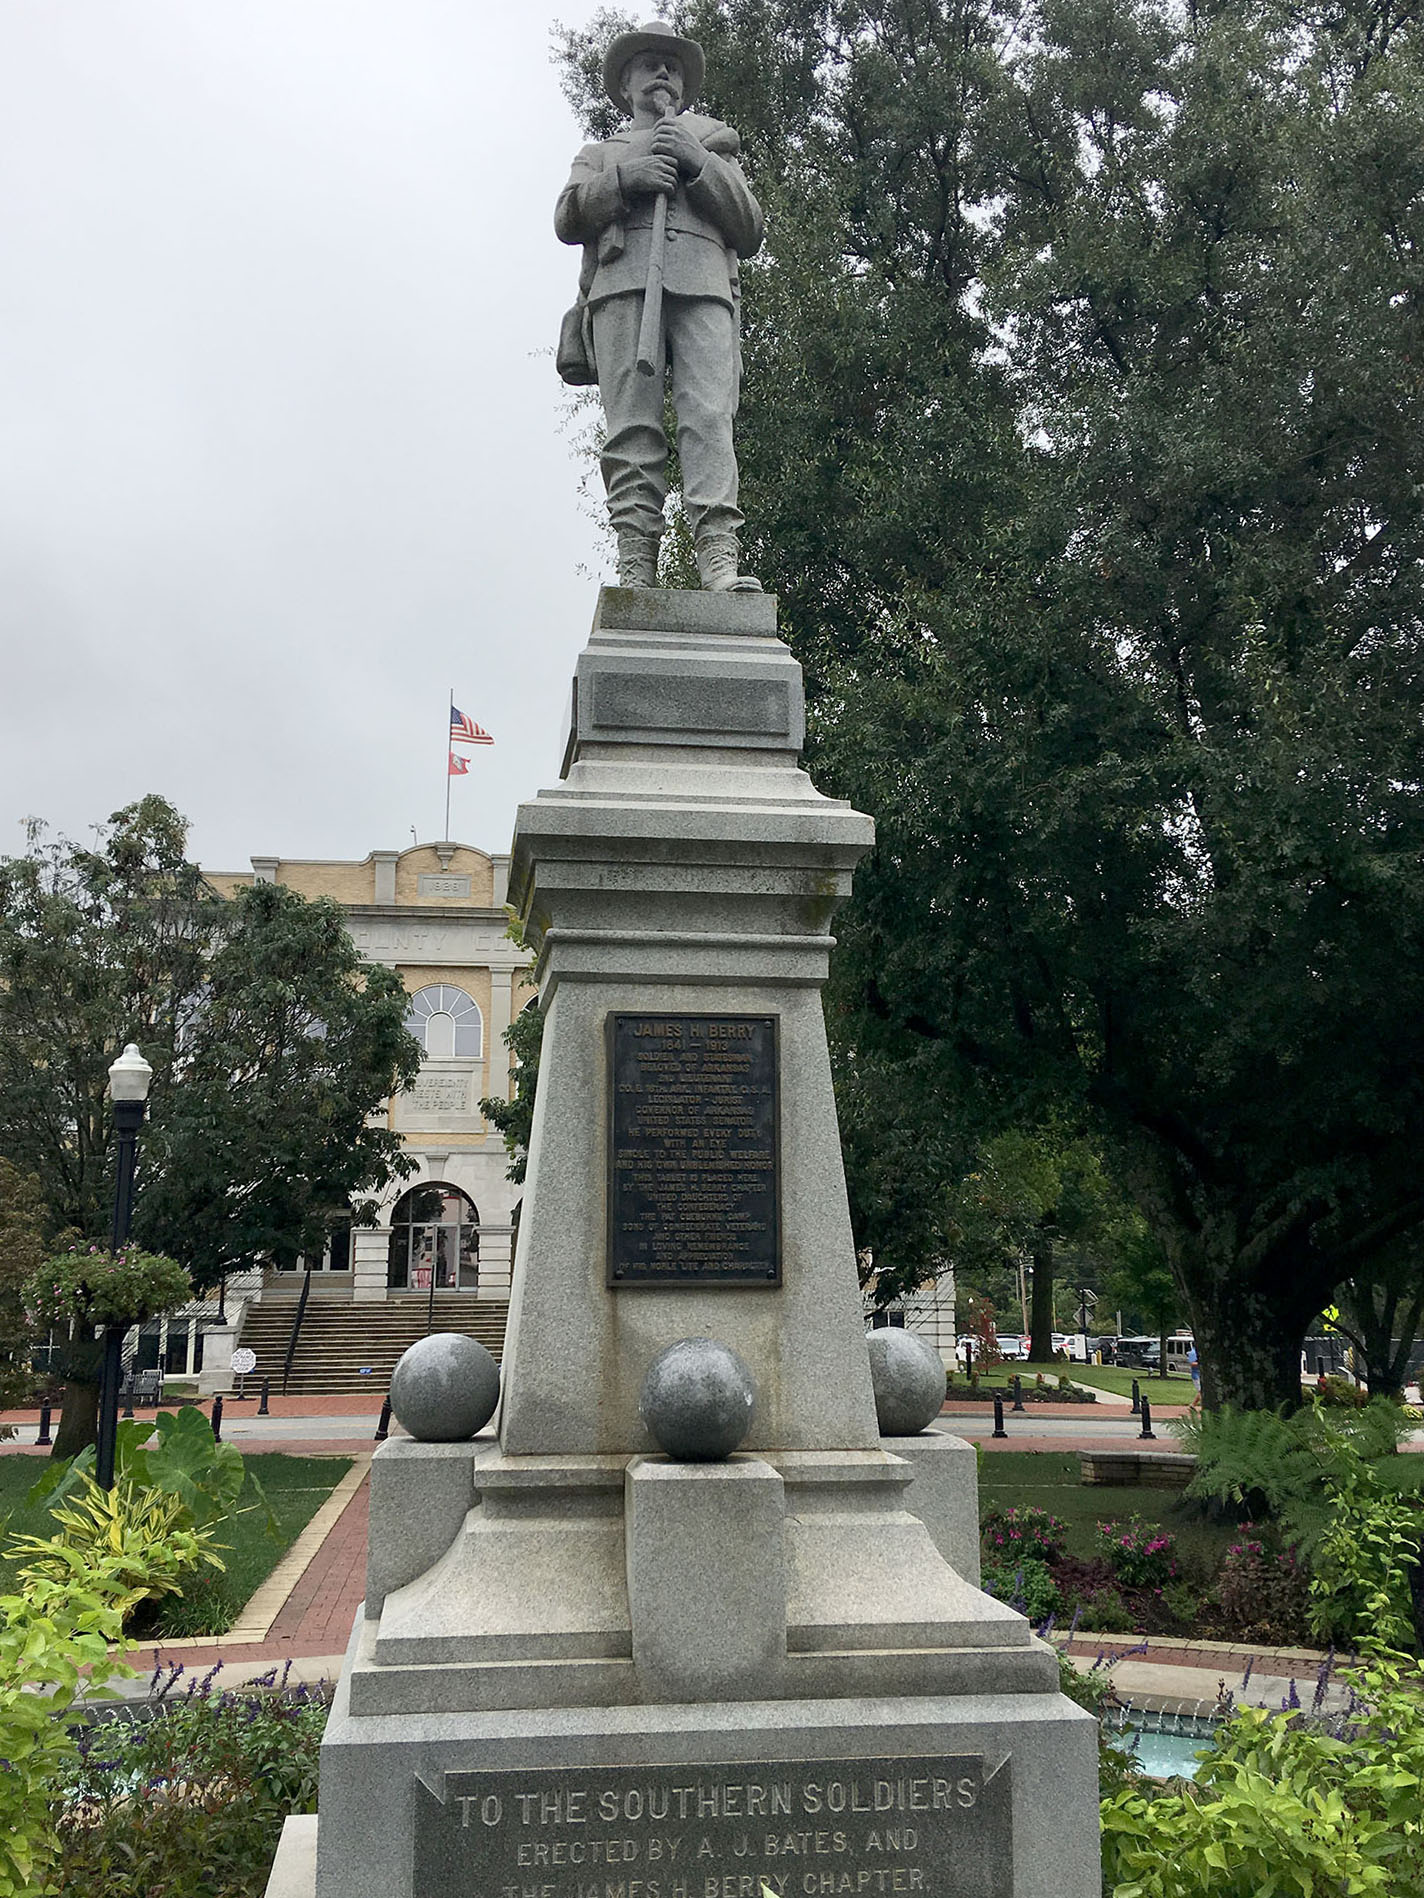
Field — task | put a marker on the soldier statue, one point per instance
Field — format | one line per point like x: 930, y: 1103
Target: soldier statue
x: 664, y: 213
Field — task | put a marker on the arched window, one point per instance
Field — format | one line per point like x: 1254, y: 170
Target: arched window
x: 446, y: 1021
x: 435, y: 1240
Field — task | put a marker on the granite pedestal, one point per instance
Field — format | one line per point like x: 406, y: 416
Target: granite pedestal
x: 584, y: 1670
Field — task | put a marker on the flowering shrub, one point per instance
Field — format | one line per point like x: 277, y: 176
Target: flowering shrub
x: 1026, y: 1585
x: 49, y: 1636
x: 1140, y: 1554
x: 1010, y: 1534
x: 1264, y: 1594
x: 1286, y: 1803
x: 1103, y: 1611
x: 97, y: 1287
x: 221, y: 1772
x: 1341, y: 1393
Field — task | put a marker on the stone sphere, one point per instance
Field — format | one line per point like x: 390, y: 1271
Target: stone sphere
x: 907, y: 1375
x: 445, y: 1388
x: 697, y: 1400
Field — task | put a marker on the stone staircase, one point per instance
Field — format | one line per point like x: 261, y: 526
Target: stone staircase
x: 348, y: 1347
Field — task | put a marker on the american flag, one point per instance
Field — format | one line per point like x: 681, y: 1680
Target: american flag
x: 464, y: 731
x: 458, y: 765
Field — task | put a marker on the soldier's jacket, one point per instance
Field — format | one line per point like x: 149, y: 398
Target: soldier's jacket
x: 711, y: 221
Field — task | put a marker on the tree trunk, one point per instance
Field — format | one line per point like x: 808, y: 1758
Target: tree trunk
x: 1386, y: 1336
x: 1040, y: 1343
x: 1248, y: 1345
x: 79, y: 1419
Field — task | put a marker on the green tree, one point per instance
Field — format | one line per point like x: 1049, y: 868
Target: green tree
x: 1081, y: 444
x: 1380, y: 1311
x: 22, y: 1248
x: 274, y: 1048
x: 97, y: 947
x: 515, y: 1119
x: 274, y: 1126
x: 1140, y: 1282
x: 1035, y: 1192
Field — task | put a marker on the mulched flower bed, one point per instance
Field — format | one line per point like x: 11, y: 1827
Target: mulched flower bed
x: 986, y: 1393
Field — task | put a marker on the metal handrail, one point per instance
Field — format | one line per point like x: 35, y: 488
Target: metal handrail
x: 296, y: 1329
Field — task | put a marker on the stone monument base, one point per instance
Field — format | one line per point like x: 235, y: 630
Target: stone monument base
x: 584, y: 1669
x: 294, y: 1868
x: 990, y: 1795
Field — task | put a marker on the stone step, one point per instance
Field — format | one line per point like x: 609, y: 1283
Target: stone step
x: 338, y: 1342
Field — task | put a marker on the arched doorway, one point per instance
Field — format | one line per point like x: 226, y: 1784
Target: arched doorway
x: 435, y: 1240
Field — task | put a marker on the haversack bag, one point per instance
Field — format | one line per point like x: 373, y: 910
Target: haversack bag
x: 575, y: 353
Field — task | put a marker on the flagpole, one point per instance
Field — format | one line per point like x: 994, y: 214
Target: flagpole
x: 449, y: 721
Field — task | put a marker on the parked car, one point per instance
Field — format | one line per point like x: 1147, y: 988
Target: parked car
x: 1140, y: 1354
x: 1013, y: 1347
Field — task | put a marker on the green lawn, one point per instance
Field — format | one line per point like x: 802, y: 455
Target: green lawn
x: 1104, y: 1377
x: 295, y: 1487
x: 1050, y: 1479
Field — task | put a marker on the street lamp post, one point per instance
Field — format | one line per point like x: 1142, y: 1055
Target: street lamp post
x: 128, y: 1090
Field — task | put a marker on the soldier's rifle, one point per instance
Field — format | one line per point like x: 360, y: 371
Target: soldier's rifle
x: 650, y: 329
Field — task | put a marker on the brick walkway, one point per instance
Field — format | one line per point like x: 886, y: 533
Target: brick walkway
x: 315, y: 1619
x: 362, y: 1403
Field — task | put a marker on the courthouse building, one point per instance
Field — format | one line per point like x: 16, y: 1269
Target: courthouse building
x: 435, y: 913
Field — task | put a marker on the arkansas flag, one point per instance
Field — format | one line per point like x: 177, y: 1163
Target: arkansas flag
x: 458, y: 765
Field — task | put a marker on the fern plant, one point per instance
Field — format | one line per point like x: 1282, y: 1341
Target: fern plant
x: 1255, y: 1461
x: 1265, y: 1465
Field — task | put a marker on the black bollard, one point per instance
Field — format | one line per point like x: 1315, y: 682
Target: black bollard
x: 1147, y: 1430
x: 1018, y: 1393
x: 46, y: 1412
x: 1320, y: 1367
x: 262, y: 1410
x: 383, y: 1428
x: 969, y: 1360
x: 999, y: 1430
x: 1136, y: 1398
x: 128, y: 1398
x: 217, y: 1418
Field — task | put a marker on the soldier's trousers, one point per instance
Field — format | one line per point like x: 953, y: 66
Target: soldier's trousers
x: 701, y: 354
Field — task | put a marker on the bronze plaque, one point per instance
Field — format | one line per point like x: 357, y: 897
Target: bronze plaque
x: 693, y: 1169
x: 912, y: 1827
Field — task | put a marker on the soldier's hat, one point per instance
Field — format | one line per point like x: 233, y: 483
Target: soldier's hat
x: 656, y: 37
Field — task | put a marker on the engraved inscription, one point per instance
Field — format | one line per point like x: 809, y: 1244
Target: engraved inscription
x: 693, y: 1191
x: 631, y: 702
x: 439, y: 1093
x: 449, y: 885
x: 873, y: 1828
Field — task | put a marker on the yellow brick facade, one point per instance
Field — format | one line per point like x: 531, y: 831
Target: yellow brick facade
x: 435, y: 914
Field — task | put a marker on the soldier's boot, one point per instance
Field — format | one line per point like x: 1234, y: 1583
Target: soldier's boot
x: 718, y: 565
x: 637, y: 559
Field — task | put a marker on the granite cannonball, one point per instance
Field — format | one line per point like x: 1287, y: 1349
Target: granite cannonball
x: 907, y: 1375
x: 445, y: 1388
x: 697, y: 1400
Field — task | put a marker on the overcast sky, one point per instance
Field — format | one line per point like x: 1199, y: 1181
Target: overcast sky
x: 285, y: 456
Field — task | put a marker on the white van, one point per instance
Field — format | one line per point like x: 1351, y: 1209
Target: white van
x: 1179, y: 1350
